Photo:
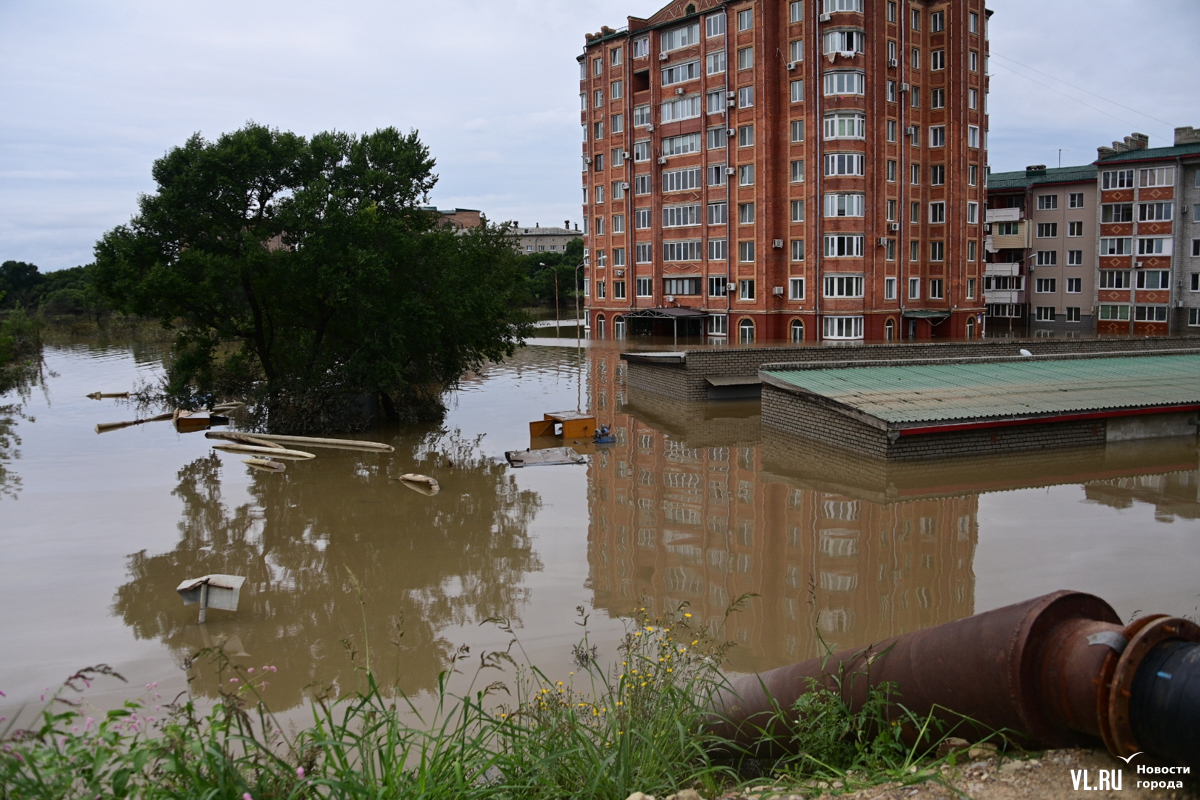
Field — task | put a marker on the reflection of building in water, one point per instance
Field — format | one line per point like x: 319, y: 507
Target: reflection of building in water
x: 690, y: 506
x: 676, y: 522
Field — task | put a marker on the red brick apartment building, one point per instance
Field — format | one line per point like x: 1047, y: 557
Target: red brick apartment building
x: 806, y: 170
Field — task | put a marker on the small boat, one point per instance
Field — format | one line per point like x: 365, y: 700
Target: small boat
x: 420, y: 483
x: 603, y: 436
x: 192, y: 421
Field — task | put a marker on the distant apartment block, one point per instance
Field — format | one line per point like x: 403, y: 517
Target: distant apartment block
x: 1111, y: 247
x: 807, y: 170
x: 457, y: 217
x: 537, y: 239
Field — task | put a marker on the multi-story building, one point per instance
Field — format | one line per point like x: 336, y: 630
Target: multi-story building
x: 803, y: 170
x: 537, y: 239
x: 1041, y: 249
x: 1149, y: 247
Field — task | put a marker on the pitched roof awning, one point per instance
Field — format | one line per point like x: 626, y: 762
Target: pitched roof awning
x: 668, y: 313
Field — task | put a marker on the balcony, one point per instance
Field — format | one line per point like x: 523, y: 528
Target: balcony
x: 1004, y: 296
x: 1003, y: 215
x: 1002, y: 269
x: 1019, y: 240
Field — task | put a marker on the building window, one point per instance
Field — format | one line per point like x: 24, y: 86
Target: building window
x: 745, y: 97
x: 972, y: 136
x: 937, y: 175
x: 972, y: 213
x: 795, y: 51
x: 798, y: 252
x: 745, y: 213
x: 937, y: 212
x: 745, y: 289
x: 1154, y: 247
x: 914, y: 215
x: 798, y: 172
x: 618, y: 290
x: 971, y: 250
x: 682, y: 250
x: 845, y: 125
x: 1072, y: 313
x: 717, y: 285
x: 891, y: 171
x: 718, y: 325
x: 1150, y: 313
x: 714, y: 63
x: 745, y: 58
x: 1114, y: 279
x: 745, y: 136
x: 641, y: 47
x: 1157, y: 176
x: 844, y: 41
x: 678, y: 180
x: 641, y: 217
x: 1116, y: 212
x: 1044, y: 313
x: 843, y: 286
x: 683, y: 36
x: 1075, y: 200
x: 1047, y: 258
x: 1045, y: 285
x: 889, y: 288
x: 937, y: 251
x: 1193, y: 316
x: 1074, y: 285
x: 972, y: 175
x: 644, y: 287
x: 1075, y: 229
x: 716, y: 174
x: 1047, y: 202
x: 681, y: 216
x: 1114, y: 312
x: 891, y: 130
x: 601, y: 291
x: 795, y: 11
x: 937, y: 59
x: 972, y: 99
x: 681, y: 286
x: 848, y: 245
x: 717, y: 136
x: 718, y: 250
x: 796, y: 288
x: 970, y: 288
x: 746, y: 332
x: 937, y: 98
x: 914, y: 288
x: 1047, y: 230
x: 1116, y: 246
x: 745, y: 19
x: 796, y: 89
x: 1074, y: 258
x: 641, y: 116
x: 797, y: 130
x: 1154, y: 279
x: 845, y: 164
x: 937, y: 136
x: 600, y: 232
x: 797, y: 331
x: 797, y: 211
x: 714, y: 25
x: 843, y: 327
x: 916, y: 58
x: 1117, y: 179
x: 1155, y: 212
x: 678, y: 73
x: 914, y: 96
x: 618, y: 225
x: 844, y: 205
x: 746, y: 252
x: 844, y: 82
x: 936, y: 292
x: 718, y: 213
x: 599, y: 195
x: 890, y: 250
x: 973, y: 61
x: 891, y: 91
x: 680, y: 108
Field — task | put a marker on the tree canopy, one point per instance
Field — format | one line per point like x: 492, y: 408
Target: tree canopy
x: 307, y: 266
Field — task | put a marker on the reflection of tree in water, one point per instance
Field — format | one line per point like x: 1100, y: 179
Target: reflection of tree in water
x: 424, y: 563
x: 16, y: 382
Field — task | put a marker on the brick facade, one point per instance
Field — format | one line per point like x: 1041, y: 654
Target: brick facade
x: 915, y: 72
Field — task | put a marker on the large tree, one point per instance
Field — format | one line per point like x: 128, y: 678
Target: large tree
x: 309, y: 265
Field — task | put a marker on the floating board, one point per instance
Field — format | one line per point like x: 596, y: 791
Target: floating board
x: 420, y: 483
x: 265, y: 464
x: 243, y: 438
x: 550, y: 456
x: 312, y: 441
x: 266, y: 451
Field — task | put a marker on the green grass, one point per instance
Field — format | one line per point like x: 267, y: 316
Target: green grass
x: 596, y: 733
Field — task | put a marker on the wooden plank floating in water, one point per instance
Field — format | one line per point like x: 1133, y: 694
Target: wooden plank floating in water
x: 105, y: 427
x: 312, y: 441
x: 267, y: 451
x: 243, y: 438
x: 265, y: 464
x: 420, y: 483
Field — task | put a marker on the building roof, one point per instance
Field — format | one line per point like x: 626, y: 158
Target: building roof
x: 1150, y: 153
x: 1023, y: 179
x: 535, y: 231
x: 1013, y: 389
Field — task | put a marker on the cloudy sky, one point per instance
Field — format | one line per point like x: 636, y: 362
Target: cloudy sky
x: 92, y: 92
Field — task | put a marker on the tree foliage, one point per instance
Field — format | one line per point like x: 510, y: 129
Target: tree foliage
x: 308, y: 265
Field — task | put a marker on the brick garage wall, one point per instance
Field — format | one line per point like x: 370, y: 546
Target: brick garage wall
x: 687, y: 381
x: 692, y: 421
x: 813, y: 417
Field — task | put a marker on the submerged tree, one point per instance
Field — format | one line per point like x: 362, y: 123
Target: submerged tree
x: 308, y: 267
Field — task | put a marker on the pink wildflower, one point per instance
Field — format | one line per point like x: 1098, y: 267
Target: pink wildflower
x: 300, y: 773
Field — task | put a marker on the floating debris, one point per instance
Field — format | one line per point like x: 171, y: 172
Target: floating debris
x: 265, y: 464
x: 420, y: 483
x: 549, y: 456
x: 215, y: 591
x: 192, y: 421
x: 244, y: 438
x: 107, y: 395
x: 273, y: 452
x: 105, y: 427
x: 312, y: 441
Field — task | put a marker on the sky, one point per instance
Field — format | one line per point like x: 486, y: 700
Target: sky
x: 92, y: 92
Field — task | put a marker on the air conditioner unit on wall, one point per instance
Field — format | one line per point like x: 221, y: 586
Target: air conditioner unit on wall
x: 624, y: 154
x: 893, y: 226
x: 777, y: 291
x: 679, y: 90
x: 662, y: 56
x: 670, y: 298
x: 911, y: 130
x: 662, y: 159
x: 777, y: 244
x: 732, y: 103
x: 731, y: 287
x: 730, y: 132
x: 587, y: 159
x: 730, y: 170
x: 731, y: 95
x: 649, y: 128
x: 792, y: 64
x: 826, y: 17
x: 904, y: 87
x: 882, y: 241
x: 625, y: 185
x: 893, y: 63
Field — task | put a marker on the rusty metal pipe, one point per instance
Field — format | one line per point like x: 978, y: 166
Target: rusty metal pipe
x: 1055, y: 671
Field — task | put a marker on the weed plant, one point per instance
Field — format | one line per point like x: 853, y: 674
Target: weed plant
x: 639, y: 725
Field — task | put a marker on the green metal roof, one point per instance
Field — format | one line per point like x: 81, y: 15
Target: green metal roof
x: 1182, y: 150
x: 932, y: 392
x: 1022, y: 179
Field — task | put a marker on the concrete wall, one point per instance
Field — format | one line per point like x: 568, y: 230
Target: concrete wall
x: 686, y: 381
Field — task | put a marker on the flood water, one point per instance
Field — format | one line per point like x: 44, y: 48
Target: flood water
x: 691, y: 505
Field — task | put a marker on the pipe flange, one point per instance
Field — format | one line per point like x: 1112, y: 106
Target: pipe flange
x: 1116, y: 679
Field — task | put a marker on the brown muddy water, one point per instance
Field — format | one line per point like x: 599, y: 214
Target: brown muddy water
x: 691, y: 505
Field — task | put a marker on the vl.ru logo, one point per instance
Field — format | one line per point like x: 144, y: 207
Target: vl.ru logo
x: 1105, y: 780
